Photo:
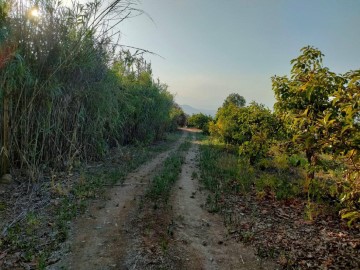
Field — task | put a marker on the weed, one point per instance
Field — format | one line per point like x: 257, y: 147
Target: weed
x: 309, y: 211
x: 2, y: 206
x: 163, y: 181
x: 164, y: 243
x: 32, y: 222
x: 266, y: 252
x: 194, y: 175
x: 42, y: 261
x: 246, y: 236
x: 212, y: 203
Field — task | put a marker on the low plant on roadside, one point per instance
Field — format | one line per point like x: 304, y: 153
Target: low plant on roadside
x: 162, y: 183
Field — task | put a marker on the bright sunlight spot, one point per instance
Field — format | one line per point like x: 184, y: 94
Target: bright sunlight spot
x: 35, y: 13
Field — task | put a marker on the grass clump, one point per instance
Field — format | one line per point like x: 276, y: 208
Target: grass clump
x: 162, y: 183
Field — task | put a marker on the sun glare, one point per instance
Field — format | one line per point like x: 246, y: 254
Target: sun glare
x: 35, y: 13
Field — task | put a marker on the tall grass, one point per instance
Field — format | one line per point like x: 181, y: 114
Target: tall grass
x: 72, y: 90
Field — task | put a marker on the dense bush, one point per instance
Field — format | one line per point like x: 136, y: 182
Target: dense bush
x: 178, y: 117
x: 252, y: 128
x: 68, y: 90
x: 200, y: 121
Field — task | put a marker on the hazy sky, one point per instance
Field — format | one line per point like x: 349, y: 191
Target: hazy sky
x: 215, y: 47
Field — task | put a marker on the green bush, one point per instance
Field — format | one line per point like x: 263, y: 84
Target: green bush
x: 200, y: 121
x: 252, y: 128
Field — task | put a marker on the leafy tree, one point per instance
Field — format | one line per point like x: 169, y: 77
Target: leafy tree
x: 235, y: 99
x: 228, y: 123
x: 200, y: 121
x: 178, y: 117
x: 261, y: 128
x: 342, y: 126
x: 252, y: 128
x: 322, y: 111
x: 302, y: 100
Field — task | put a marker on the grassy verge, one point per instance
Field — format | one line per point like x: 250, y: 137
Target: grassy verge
x: 279, y: 176
x: 31, y: 239
x: 162, y: 183
x: 267, y: 205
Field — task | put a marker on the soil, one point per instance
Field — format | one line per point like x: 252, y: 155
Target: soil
x: 127, y: 232
x: 99, y: 238
x: 125, y: 229
x: 202, y: 235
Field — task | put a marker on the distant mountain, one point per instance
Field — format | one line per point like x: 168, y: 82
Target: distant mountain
x: 191, y: 110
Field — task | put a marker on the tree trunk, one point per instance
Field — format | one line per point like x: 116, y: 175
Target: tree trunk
x: 311, y: 158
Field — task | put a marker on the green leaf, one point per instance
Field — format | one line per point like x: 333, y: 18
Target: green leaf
x: 345, y: 129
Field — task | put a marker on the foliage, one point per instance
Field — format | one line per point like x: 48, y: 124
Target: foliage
x: 178, y: 117
x: 200, y: 121
x: 342, y: 123
x: 72, y: 91
x: 303, y: 99
x: 322, y: 111
x: 252, y: 128
x: 234, y: 99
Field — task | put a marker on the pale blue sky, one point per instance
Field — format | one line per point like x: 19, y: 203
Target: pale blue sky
x: 212, y: 48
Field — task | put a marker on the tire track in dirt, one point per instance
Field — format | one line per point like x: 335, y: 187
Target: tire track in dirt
x: 99, y: 239
x: 202, y: 241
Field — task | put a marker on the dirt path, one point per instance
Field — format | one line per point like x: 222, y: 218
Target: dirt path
x: 110, y: 234
x: 201, y: 237
x: 99, y: 238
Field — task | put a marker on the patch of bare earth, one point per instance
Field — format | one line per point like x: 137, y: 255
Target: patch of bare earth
x: 100, y: 239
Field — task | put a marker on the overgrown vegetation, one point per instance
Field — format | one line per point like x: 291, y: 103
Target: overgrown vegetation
x: 315, y: 128
x: 37, y: 233
x: 69, y: 90
x: 267, y: 206
x: 302, y: 159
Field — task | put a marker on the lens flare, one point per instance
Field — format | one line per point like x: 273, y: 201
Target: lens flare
x: 35, y: 13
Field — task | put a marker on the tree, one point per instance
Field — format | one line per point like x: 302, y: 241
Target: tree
x: 235, y: 99
x: 342, y: 125
x: 200, y: 121
x: 178, y: 117
x: 252, y: 128
x: 302, y: 100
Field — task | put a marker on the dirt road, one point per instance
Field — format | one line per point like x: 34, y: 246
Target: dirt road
x: 103, y: 237
x: 99, y: 238
x: 202, y: 235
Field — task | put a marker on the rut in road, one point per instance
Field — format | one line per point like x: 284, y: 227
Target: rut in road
x: 99, y: 239
x: 202, y: 240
